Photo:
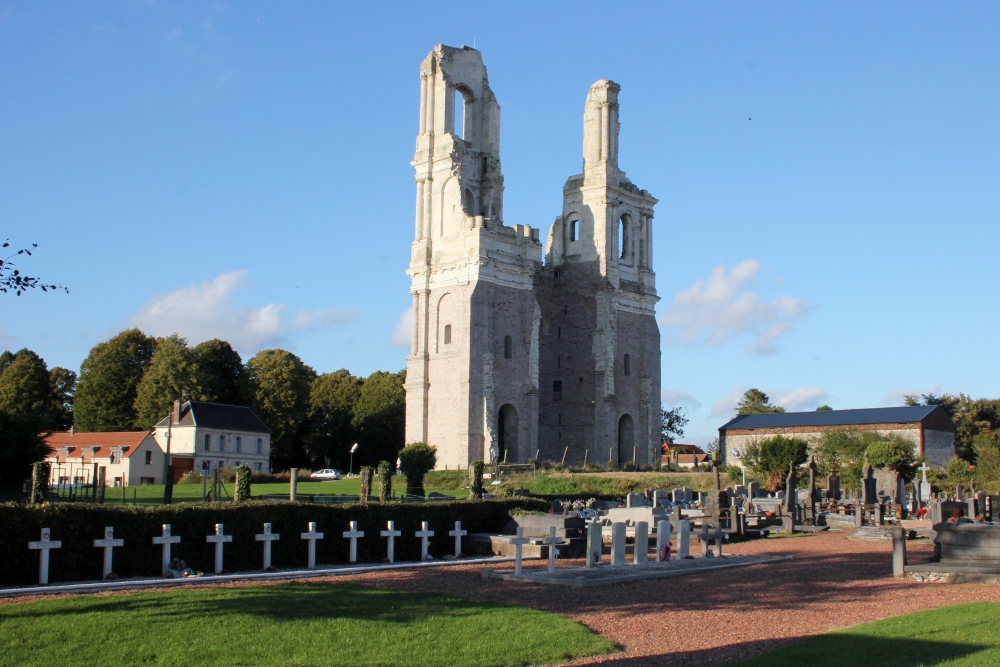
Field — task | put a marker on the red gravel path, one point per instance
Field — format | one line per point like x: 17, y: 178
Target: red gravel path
x: 715, y: 617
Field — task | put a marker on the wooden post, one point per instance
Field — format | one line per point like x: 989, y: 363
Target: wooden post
x: 611, y: 458
x: 898, y: 551
x: 565, y: 452
x: 586, y: 453
x: 293, y: 484
x: 168, y: 486
x: 93, y: 480
x: 538, y: 454
x: 635, y: 453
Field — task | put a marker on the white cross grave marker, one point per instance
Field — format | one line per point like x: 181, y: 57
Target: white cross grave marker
x: 518, y: 543
x: 552, y: 541
x: 353, y: 534
x: 457, y: 534
x: 219, y: 538
x: 267, y: 537
x: 392, y: 534
x: 166, y: 540
x: 44, y: 545
x: 108, y: 543
x: 423, y: 534
x: 312, y: 536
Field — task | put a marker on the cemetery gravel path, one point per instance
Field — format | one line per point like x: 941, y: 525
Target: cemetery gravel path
x: 714, y: 618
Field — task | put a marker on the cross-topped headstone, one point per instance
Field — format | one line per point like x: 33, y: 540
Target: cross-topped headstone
x: 552, y: 541
x: 44, y: 545
x: 108, y: 543
x: 353, y: 534
x: 219, y: 539
x: 311, y: 535
x: 166, y: 540
x: 267, y: 537
x: 392, y: 534
x: 519, y: 541
x: 424, y: 534
x: 457, y: 534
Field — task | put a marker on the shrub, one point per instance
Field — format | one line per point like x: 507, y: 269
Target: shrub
x: 243, y: 473
x: 476, y: 479
x: 384, y: 474
x: 893, y: 452
x: 191, y: 477
x: 40, y: 483
x: 78, y: 524
x: 416, y: 461
x: 771, y: 458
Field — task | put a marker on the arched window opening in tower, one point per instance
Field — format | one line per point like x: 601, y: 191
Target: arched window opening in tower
x: 447, y: 334
x: 574, y: 230
x: 459, y: 129
x: 508, y: 347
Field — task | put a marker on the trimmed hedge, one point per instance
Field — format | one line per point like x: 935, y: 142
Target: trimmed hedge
x: 78, y: 525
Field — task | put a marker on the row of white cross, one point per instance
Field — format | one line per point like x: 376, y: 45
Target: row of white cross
x: 595, y: 542
x: 219, y: 538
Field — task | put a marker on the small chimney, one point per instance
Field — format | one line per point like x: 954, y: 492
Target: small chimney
x: 72, y: 429
x: 176, y: 417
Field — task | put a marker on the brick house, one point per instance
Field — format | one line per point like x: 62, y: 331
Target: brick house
x: 130, y: 458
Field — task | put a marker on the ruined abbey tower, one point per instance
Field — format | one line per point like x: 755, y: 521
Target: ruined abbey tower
x: 512, y: 358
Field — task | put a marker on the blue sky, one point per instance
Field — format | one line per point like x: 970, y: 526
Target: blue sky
x: 827, y: 175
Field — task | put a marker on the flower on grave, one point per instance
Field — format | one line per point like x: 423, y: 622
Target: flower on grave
x: 111, y: 576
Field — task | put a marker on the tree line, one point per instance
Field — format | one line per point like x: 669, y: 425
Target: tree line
x: 131, y: 381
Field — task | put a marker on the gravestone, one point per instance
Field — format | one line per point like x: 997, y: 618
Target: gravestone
x: 790, y: 495
x: 424, y: 534
x: 266, y: 537
x: 925, y: 486
x: 392, y: 534
x: 108, y: 543
x: 618, y: 543
x: 662, y: 540
x: 219, y: 538
x: 869, y: 495
x: 311, y: 535
x: 635, y: 500
x: 684, y: 539
x: 833, y: 487
x: 660, y: 498
x: 552, y: 540
x: 595, y: 543
x: 166, y: 540
x: 640, y: 548
x: 44, y: 545
x: 813, y: 471
x: 457, y: 534
x: 518, y: 541
x: 753, y: 490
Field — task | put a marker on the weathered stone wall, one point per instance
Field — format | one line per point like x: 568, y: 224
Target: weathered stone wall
x: 939, y: 447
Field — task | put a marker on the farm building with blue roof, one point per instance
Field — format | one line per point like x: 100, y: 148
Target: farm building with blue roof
x: 928, y: 426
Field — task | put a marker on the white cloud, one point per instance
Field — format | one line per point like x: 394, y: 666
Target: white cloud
x: 714, y: 311
x: 672, y: 399
x: 894, y: 398
x: 205, y: 311
x: 726, y: 406
x: 401, y: 334
x: 803, y: 398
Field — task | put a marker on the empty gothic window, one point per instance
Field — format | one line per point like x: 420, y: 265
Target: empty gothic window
x: 623, y: 239
x: 574, y: 230
x: 508, y: 347
x: 557, y: 390
x: 628, y: 365
x: 459, y: 114
x: 447, y: 334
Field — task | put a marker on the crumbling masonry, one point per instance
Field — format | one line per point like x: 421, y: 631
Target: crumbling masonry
x: 512, y: 359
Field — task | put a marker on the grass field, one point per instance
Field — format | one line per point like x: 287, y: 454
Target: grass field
x: 962, y: 635
x: 287, y: 624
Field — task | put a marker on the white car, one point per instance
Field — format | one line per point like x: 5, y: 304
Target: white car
x: 326, y: 473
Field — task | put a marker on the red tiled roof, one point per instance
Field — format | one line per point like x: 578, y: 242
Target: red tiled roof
x: 129, y: 440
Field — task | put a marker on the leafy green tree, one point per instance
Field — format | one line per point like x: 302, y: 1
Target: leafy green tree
x: 109, y: 380
x: 11, y: 278
x: 380, y: 417
x: 332, y: 400
x: 21, y: 445
x: 770, y: 458
x: 172, y: 375
x: 62, y: 381
x: 754, y: 402
x: 221, y: 373
x: 986, y: 445
x: 959, y: 471
x: 892, y: 451
x: 6, y: 359
x: 844, y: 452
x: 672, y: 423
x: 280, y: 385
x: 415, y: 461
x: 824, y: 408
x: 25, y: 389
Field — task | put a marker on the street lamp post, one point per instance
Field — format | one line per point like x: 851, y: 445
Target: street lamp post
x: 353, y: 449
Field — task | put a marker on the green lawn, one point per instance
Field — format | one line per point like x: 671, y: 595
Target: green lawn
x: 963, y: 635
x: 440, y: 482
x: 287, y: 624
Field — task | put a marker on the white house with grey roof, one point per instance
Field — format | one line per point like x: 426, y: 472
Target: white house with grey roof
x: 204, y: 436
x: 928, y: 427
